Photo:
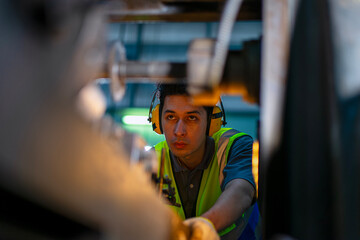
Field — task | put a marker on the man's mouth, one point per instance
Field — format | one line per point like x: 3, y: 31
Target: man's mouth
x: 179, y: 145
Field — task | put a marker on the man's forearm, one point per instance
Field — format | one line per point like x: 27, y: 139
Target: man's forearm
x: 232, y: 203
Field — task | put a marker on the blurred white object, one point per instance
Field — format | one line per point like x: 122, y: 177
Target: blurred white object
x: 276, y: 46
x: 201, y: 229
x: 199, y: 55
x: 117, y: 66
x: 146, y: 159
x: 228, y: 18
x: 91, y: 102
x: 346, y: 34
x: 207, y: 57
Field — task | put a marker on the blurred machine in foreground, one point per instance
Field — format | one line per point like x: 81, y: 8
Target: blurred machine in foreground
x: 64, y: 174
x: 309, y: 163
x: 66, y: 171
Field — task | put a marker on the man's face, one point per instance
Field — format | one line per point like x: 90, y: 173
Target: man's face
x: 184, y: 126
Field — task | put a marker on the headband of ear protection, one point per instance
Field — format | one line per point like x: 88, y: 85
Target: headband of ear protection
x: 216, y: 119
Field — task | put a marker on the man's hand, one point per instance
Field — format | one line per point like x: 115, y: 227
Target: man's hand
x: 201, y: 229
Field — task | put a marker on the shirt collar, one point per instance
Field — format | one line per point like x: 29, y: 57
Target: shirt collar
x: 209, y: 152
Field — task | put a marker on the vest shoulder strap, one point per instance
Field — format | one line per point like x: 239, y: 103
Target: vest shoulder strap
x: 223, y: 142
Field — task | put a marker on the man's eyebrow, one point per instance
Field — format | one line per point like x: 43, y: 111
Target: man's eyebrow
x: 192, y: 112
x: 169, y: 111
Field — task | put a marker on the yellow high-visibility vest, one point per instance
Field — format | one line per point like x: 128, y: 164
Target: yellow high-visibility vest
x: 212, y: 177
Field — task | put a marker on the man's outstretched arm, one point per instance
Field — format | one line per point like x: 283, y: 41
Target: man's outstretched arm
x: 232, y: 203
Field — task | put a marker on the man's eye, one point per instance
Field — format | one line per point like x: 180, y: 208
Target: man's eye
x: 192, y: 118
x: 170, y: 117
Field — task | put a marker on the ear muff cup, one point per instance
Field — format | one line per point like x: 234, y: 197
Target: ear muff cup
x: 155, y: 121
x: 216, y: 121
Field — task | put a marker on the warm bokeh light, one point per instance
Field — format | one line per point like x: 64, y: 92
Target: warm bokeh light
x: 255, y: 165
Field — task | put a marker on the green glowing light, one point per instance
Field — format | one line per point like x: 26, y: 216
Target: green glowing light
x: 135, y: 120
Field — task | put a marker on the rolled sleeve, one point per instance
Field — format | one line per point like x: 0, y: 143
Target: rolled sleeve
x: 239, y: 163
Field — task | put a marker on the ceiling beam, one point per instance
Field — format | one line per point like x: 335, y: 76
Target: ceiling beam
x: 185, y: 11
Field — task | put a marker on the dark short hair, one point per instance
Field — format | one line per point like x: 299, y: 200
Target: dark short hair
x: 167, y: 89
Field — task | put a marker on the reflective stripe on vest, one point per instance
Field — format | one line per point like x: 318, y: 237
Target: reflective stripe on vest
x: 210, y: 189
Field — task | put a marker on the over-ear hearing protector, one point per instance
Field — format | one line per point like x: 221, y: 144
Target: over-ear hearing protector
x: 217, y: 118
x: 154, y: 116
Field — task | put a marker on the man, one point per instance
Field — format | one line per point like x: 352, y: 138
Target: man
x: 212, y: 175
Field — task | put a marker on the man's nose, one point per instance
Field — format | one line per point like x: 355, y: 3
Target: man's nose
x: 180, y: 128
